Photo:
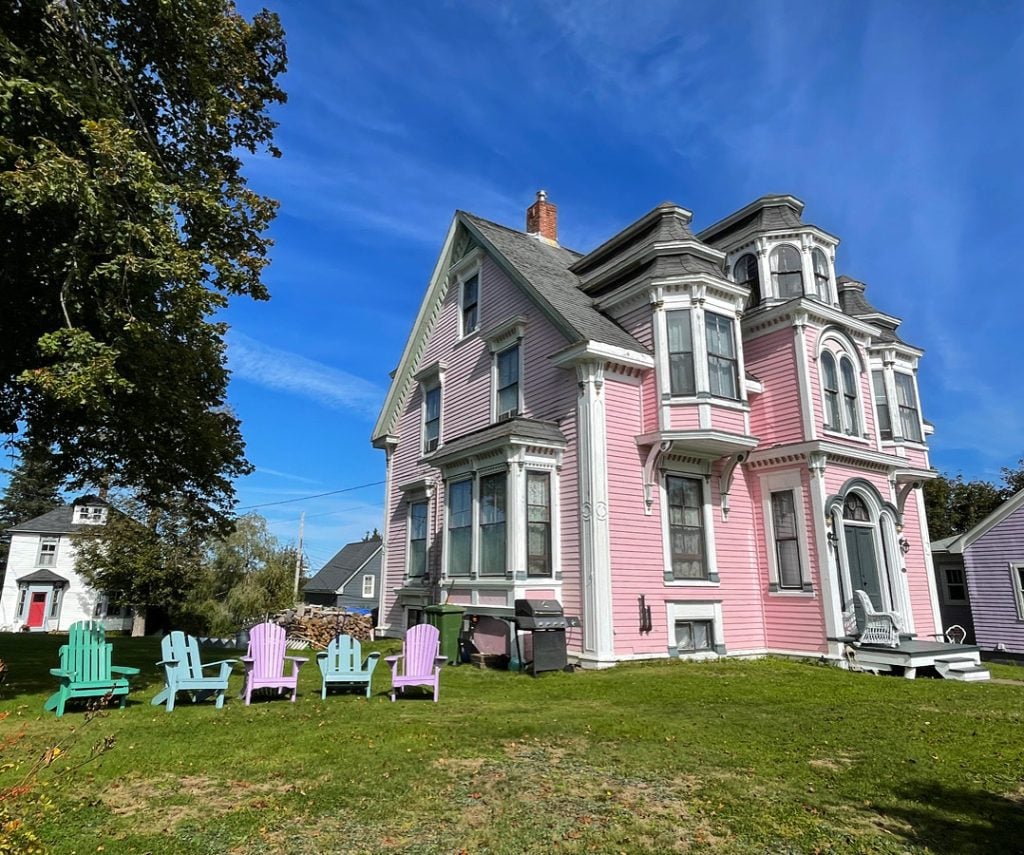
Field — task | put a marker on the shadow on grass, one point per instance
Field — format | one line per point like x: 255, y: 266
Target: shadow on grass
x: 958, y: 820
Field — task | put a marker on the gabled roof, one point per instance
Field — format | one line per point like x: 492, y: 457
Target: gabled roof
x: 541, y: 269
x: 353, y: 558
x: 958, y: 544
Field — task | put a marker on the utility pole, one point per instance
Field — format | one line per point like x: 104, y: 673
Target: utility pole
x: 298, y: 555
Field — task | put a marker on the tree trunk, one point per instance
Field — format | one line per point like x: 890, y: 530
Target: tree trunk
x: 138, y: 621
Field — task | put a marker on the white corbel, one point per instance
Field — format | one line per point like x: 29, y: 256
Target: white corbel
x: 653, y: 453
x: 725, y: 479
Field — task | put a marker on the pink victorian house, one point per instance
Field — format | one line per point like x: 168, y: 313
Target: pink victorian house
x: 700, y: 444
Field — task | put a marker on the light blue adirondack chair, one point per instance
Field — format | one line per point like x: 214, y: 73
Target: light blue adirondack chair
x: 183, y: 672
x: 85, y: 670
x: 264, y: 664
x: 342, y: 664
x: 421, y: 665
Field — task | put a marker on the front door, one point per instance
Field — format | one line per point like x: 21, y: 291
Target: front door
x: 860, y: 549
x: 37, y: 609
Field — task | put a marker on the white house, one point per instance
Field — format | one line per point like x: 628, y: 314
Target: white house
x: 41, y: 590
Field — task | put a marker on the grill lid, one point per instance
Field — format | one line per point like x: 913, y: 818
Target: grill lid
x: 538, y: 608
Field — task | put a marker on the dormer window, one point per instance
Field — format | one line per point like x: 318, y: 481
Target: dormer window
x: 469, y: 302
x: 787, y: 271
x: 746, y: 272
x: 89, y: 514
x: 506, y: 382
x: 821, y: 278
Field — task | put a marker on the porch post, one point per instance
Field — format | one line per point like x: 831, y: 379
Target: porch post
x: 828, y: 570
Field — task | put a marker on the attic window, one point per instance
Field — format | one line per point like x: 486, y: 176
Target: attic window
x: 787, y: 271
x: 469, y: 301
x: 89, y: 514
x: 745, y: 272
x: 820, y: 263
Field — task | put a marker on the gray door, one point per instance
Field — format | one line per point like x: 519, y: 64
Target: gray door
x: 860, y: 550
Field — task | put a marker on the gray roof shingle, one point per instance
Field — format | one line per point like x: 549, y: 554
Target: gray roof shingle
x: 57, y: 521
x: 546, y: 269
x: 340, y: 568
x: 520, y: 428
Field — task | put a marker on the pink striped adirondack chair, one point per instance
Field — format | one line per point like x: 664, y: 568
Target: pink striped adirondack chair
x: 421, y: 665
x: 264, y: 664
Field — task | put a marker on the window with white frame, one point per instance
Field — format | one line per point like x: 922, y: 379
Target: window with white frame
x: 506, y: 382
x: 722, y: 359
x: 695, y: 628
x: 906, y: 399
x: 746, y: 272
x: 881, y: 405
x: 685, y: 503
x: 368, y: 585
x: 89, y: 514
x: 680, y: 353
x: 431, y: 418
x: 460, y: 528
x: 469, y: 304
x: 47, y: 551
x: 839, y: 385
x: 830, y: 391
x: 22, y: 597
x: 538, y: 523
x: 418, y: 539
x: 1017, y: 574
x: 787, y: 540
x: 55, y: 601
x: 787, y: 271
x: 493, y: 551
x: 819, y: 263
x: 848, y: 377
x: 695, y: 636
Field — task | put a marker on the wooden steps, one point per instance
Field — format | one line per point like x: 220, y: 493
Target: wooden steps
x: 961, y: 668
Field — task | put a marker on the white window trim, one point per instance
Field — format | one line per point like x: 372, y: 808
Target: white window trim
x: 429, y: 378
x: 777, y: 245
x: 707, y: 518
x: 45, y: 541
x: 416, y: 499
x: 475, y: 268
x: 776, y: 484
x: 842, y: 349
x: 894, y: 406
x: 368, y: 589
x: 1016, y: 567
x: 683, y: 611
x: 495, y: 415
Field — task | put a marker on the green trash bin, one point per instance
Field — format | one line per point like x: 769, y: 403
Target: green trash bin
x: 448, y: 620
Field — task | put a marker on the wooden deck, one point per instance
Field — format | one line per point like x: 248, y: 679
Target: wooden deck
x: 951, y: 661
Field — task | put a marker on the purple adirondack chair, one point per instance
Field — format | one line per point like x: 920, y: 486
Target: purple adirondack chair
x: 264, y: 664
x: 421, y: 666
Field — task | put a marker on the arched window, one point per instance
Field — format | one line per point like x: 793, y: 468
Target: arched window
x: 855, y: 509
x: 820, y: 263
x: 787, y: 271
x: 851, y: 422
x: 745, y: 272
x: 830, y: 391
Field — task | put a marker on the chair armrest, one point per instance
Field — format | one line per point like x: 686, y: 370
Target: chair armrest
x: 167, y: 662
x: 60, y: 672
x: 321, y: 655
x: 370, y: 662
x: 391, y: 660
x: 124, y: 669
x: 439, y: 661
x: 220, y: 662
x: 302, y: 660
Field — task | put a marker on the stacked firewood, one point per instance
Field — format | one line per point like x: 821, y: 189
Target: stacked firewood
x: 317, y: 625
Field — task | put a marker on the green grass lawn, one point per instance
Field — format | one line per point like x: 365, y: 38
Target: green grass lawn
x: 761, y: 756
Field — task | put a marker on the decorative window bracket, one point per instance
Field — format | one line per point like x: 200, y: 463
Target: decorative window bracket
x: 655, y: 452
x: 901, y: 498
x: 725, y: 479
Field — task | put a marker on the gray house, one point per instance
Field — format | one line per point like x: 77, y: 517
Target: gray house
x: 980, y: 577
x: 350, y: 580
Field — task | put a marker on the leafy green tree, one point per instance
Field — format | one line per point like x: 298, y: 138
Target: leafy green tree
x: 33, y: 489
x: 125, y: 224
x: 143, y: 557
x: 1014, y: 478
x: 954, y: 505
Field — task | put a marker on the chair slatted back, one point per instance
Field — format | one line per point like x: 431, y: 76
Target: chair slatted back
x: 87, y: 654
x: 344, y: 655
x: 422, y: 643
x: 183, y: 649
x: 267, y: 649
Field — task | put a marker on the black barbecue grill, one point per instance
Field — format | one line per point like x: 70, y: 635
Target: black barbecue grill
x: 546, y: 623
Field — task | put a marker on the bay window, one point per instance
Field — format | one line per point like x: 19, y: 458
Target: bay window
x: 460, y: 528
x: 906, y: 399
x: 538, y: 524
x: 881, y: 405
x: 680, y: 353
x: 493, y: 555
x: 787, y: 271
x: 722, y: 361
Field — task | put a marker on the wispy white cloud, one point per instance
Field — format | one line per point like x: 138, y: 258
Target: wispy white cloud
x: 265, y: 470
x: 284, y: 371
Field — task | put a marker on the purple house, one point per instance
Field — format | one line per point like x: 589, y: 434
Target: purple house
x: 980, y: 580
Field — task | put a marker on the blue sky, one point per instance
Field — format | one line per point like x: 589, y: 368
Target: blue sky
x: 900, y: 125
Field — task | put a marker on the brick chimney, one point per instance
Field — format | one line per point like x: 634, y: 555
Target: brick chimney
x: 542, y: 218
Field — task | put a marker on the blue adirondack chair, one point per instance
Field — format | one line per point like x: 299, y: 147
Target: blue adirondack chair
x: 183, y: 672
x: 85, y: 670
x: 419, y: 660
x: 342, y: 664
x: 264, y: 664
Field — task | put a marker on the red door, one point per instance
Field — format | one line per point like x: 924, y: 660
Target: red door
x: 37, y: 608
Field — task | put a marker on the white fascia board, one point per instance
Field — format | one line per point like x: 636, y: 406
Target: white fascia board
x: 908, y: 351
x: 832, y: 450
x: 987, y: 524
x: 414, y: 343
x: 594, y: 350
x: 814, y: 311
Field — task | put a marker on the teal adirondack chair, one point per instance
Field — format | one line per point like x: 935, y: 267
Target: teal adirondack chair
x: 85, y: 670
x: 342, y: 664
x: 183, y: 672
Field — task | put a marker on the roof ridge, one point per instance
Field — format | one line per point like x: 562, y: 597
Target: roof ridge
x: 518, y: 232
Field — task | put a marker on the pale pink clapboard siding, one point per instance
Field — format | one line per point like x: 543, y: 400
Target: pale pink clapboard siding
x: 728, y: 419
x: 993, y: 603
x: 775, y: 413
x: 794, y: 621
x: 650, y: 403
x: 684, y: 417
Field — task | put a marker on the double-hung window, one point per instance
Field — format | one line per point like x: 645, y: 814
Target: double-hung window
x: 506, y: 373
x: 368, y: 585
x: 830, y: 391
x: 460, y: 528
x: 821, y: 283
x: 470, y: 304
x: 680, y: 353
x: 686, y: 527
x: 906, y: 398
x: 47, y: 552
x: 839, y: 393
x: 1017, y: 575
x: 722, y: 361
x: 787, y: 271
x: 431, y: 418
x: 493, y: 493
x: 787, y: 543
x: 953, y: 583
x: 694, y: 636
x: 418, y: 539
x: 538, y: 524
x: 851, y: 421
x: 881, y: 405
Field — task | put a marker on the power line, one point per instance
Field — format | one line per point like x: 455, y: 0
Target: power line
x: 307, y: 498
